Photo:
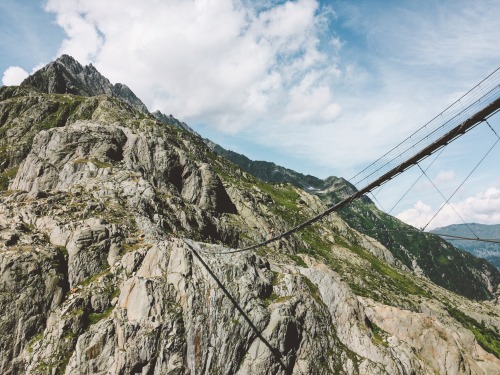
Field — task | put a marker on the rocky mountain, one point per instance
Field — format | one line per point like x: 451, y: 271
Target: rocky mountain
x: 171, y: 120
x: 273, y: 173
x: 116, y: 257
x: 67, y: 76
x: 270, y: 172
x: 487, y: 250
x: 425, y: 254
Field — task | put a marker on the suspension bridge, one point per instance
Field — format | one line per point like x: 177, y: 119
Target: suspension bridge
x: 472, y: 109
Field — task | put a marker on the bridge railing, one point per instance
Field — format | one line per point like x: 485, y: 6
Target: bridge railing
x: 479, y: 97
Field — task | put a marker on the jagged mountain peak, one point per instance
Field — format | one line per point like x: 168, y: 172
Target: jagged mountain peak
x: 171, y: 120
x: 66, y: 75
x: 69, y: 62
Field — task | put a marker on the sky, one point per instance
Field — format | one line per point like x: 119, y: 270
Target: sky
x: 321, y: 87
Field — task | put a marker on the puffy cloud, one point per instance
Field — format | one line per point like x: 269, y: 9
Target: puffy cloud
x: 444, y: 176
x: 483, y: 208
x: 220, y: 62
x: 338, y: 87
x: 14, y: 75
x: 418, y: 216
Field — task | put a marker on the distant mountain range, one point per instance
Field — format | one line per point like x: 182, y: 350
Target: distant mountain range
x: 487, y: 250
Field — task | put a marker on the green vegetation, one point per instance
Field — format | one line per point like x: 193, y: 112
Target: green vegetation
x: 391, y: 275
x: 443, y: 260
x: 272, y: 298
x: 76, y: 312
x: 486, y: 337
x: 316, y: 243
x: 275, y: 298
x: 298, y: 260
x: 33, y: 341
x: 69, y: 335
x: 93, y: 278
x: 285, y: 198
x: 446, y: 266
x: 62, y: 250
x: 59, y: 109
x: 57, y: 365
x: 375, y: 279
x: 313, y: 289
x: 378, y: 334
x: 4, y: 155
x: 95, y: 317
x: 96, y: 162
x: 6, y: 176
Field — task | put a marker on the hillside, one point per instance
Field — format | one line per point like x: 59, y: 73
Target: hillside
x: 487, y: 250
x: 425, y: 254
x: 115, y: 257
x: 67, y: 76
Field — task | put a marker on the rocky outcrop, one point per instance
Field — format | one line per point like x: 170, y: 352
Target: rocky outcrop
x: 175, y: 306
x: 171, y: 120
x: 125, y: 298
x: 433, y: 339
x: 67, y: 76
x: 61, y: 158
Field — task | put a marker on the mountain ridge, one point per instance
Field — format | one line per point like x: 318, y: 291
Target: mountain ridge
x: 418, y: 255
x: 65, y: 75
x: 486, y: 250
x: 171, y: 120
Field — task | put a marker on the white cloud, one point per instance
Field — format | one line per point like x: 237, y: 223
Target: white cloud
x: 336, y: 88
x: 483, y: 208
x: 444, y: 176
x: 216, y: 62
x: 14, y: 75
x: 418, y: 216
x: 310, y: 101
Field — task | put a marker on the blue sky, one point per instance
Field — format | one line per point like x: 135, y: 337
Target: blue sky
x: 322, y: 87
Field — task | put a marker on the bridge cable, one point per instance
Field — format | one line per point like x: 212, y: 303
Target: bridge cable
x: 376, y: 200
x: 451, y: 135
x: 435, y: 130
x: 493, y: 130
x: 274, y: 351
x: 453, y: 237
x: 478, y: 116
x: 428, y: 123
x: 448, y: 200
x: 417, y: 180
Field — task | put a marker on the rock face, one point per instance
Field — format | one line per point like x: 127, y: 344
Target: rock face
x: 68, y: 76
x: 171, y: 120
x: 117, y: 234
